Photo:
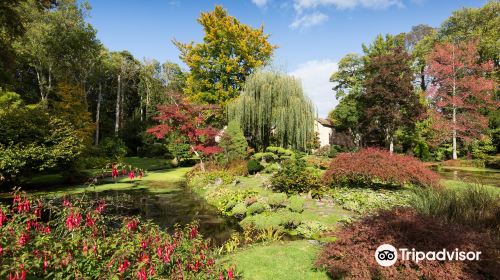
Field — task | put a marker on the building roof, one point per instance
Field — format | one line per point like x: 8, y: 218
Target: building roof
x: 325, y: 122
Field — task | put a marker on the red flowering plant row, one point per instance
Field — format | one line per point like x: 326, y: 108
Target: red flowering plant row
x: 75, y: 240
x: 373, y: 167
x: 120, y: 169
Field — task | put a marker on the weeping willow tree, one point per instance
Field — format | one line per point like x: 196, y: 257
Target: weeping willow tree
x: 272, y: 109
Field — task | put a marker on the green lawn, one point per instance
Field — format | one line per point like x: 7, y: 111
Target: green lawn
x: 471, y: 169
x: 57, y: 178
x: 148, y: 163
x: 155, y: 181
x: 460, y: 185
x: 280, y: 260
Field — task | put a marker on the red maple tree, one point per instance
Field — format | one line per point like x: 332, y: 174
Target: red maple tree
x: 461, y: 89
x: 189, y: 120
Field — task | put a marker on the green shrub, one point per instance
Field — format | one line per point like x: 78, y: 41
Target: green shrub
x: 296, y: 204
x: 475, y: 205
x: 363, y: 200
x: 311, y: 229
x: 225, y: 199
x: 282, y: 219
x: 114, y: 148
x: 294, y: 178
x: 493, y: 162
x: 277, y: 200
x: 254, y: 166
x: 271, y: 168
x: 233, y: 142
x: 266, y: 156
x: 92, y: 162
x: 239, y: 210
x: 256, y: 208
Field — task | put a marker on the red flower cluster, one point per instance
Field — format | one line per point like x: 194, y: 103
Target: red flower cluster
x: 132, y: 225
x: 73, y: 220
x: 23, y: 205
x: 3, y: 218
x: 124, y: 252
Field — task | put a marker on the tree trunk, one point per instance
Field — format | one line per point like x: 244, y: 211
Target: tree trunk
x: 454, y: 106
x: 98, y: 115
x: 122, y: 99
x: 202, y: 165
x: 142, y: 108
x: 117, y: 113
x: 391, y: 145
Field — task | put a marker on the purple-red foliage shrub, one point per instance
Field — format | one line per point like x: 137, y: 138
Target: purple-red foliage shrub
x: 371, y: 166
x: 352, y: 255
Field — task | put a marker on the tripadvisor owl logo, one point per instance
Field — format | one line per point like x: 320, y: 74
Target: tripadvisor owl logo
x: 386, y: 255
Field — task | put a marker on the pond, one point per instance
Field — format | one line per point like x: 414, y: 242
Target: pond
x: 471, y: 175
x: 165, y: 203
x: 179, y: 206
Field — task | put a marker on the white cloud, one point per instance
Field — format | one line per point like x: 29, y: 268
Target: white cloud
x: 309, y: 20
x: 301, y: 5
x: 315, y: 77
x: 260, y: 3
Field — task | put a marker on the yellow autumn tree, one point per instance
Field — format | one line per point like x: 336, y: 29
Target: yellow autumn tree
x: 71, y: 106
x: 229, y: 53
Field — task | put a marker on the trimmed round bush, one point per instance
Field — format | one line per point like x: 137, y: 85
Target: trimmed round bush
x: 256, y: 208
x: 254, y: 166
x: 239, y: 210
x: 296, y: 204
x: 277, y: 199
x: 373, y: 167
x: 295, y: 178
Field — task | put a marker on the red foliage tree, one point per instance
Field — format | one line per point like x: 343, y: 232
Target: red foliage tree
x: 190, y: 120
x: 369, y: 166
x: 461, y: 89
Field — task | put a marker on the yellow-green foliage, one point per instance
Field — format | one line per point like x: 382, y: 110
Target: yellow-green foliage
x: 229, y: 53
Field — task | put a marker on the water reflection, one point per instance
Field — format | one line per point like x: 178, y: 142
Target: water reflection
x: 179, y: 206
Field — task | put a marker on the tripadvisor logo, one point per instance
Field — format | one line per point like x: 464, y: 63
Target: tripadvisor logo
x: 387, y: 255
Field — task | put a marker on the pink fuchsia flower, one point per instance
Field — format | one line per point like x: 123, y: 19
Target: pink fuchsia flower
x: 114, y: 172
x: 23, y: 239
x: 100, y: 206
x: 66, y: 203
x: 221, y: 277
x: 46, y: 229
x: 141, y: 275
x: 132, y: 225
x: 193, y: 233
x: 23, y: 206
x: 140, y: 174
x: 131, y: 175
x: 124, y: 171
x: 3, y: 218
x: 230, y: 274
x: 18, y: 275
x: 73, y: 220
x: 123, y: 266
x: 152, y: 271
x: 89, y: 221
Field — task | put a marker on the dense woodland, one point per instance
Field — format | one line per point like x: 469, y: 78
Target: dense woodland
x: 68, y: 101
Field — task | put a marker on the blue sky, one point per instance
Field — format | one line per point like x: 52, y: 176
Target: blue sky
x: 312, y: 35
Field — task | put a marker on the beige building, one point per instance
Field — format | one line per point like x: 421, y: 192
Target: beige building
x: 324, y: 128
